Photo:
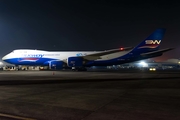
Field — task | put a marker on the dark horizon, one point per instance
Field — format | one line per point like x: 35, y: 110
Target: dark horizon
x: 86, y: 25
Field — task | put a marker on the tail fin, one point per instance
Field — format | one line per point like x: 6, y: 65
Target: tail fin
x: 152, y: 42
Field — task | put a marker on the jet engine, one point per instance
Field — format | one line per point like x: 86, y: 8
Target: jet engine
x: 75, y: 61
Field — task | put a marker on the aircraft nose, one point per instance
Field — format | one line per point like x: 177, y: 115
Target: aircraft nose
x: 4, y: 58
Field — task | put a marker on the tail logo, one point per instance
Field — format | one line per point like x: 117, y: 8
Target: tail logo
x: 150, y: 42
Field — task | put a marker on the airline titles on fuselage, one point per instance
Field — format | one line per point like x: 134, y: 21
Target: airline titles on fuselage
x: 39, y: 55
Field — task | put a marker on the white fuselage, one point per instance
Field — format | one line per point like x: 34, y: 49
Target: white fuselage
x: 58, y: 55
x: 25, y: 55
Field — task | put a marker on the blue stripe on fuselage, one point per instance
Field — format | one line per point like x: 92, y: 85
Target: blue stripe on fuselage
x: 120, y: 60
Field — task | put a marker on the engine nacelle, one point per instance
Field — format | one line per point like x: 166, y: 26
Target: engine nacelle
x: 75, y: 61
x: 56, y: 65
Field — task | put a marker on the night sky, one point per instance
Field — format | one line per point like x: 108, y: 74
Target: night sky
x: 84, y: 25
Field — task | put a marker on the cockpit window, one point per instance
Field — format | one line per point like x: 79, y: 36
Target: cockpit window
x: 19, y: 51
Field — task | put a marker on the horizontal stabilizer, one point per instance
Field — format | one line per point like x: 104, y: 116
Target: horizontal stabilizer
x: 157, y: 52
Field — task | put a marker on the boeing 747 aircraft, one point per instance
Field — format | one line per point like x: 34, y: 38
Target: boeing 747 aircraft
x: 148, y: 48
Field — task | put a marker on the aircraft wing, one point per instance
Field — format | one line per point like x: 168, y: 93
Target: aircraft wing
x: 95, y: 56
x: 156, y: 52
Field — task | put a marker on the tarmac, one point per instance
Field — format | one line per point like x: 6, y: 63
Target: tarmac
x: 93, y: 95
